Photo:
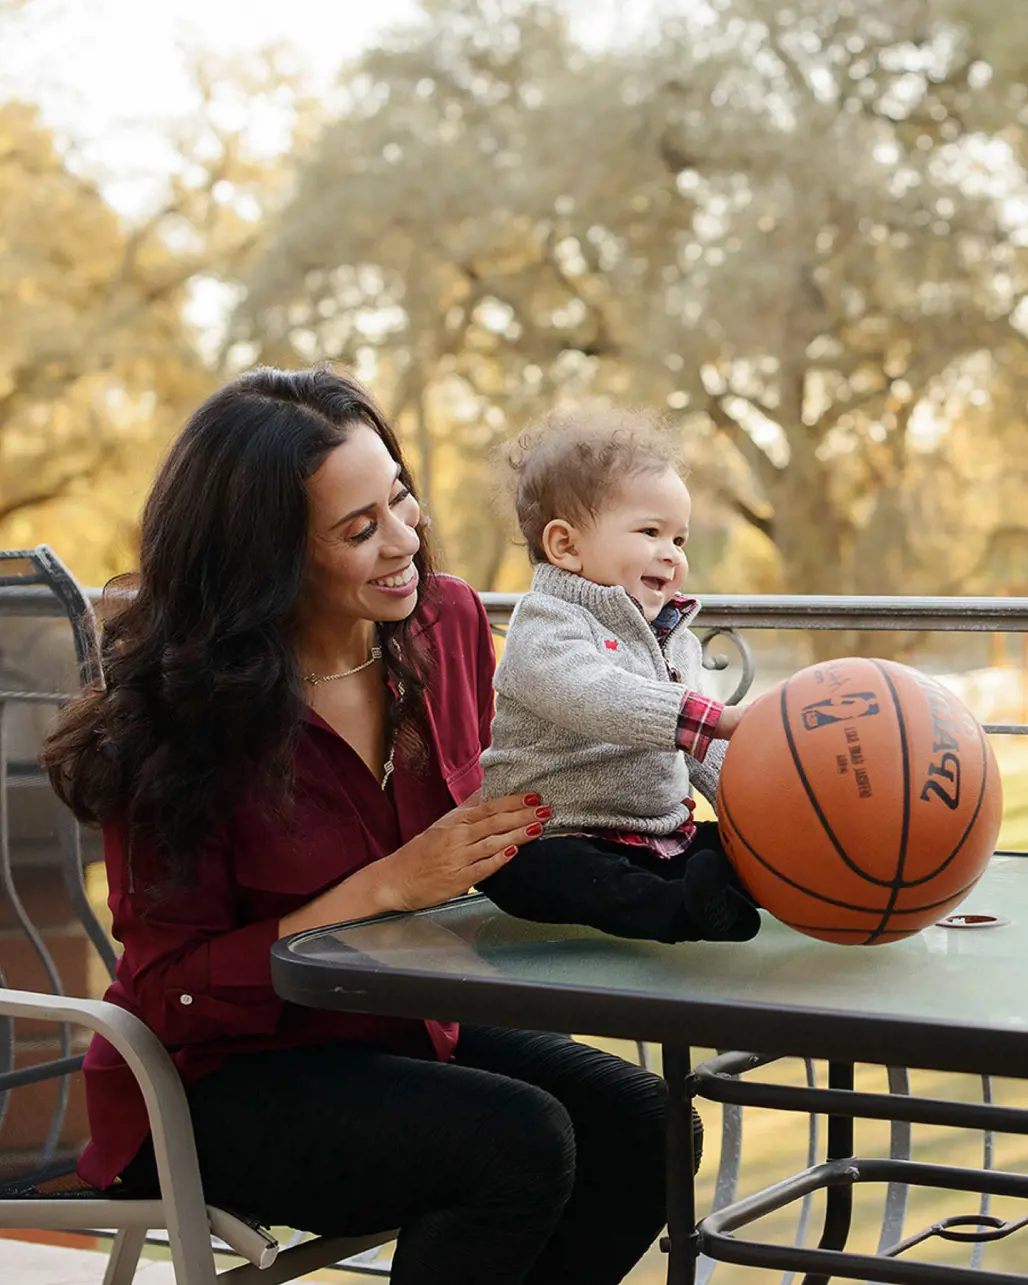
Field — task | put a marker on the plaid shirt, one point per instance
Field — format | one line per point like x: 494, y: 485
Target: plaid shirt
x: 697, y: 720
x: 699, y: 714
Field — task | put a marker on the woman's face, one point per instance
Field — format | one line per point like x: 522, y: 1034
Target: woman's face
x: 362, y: 534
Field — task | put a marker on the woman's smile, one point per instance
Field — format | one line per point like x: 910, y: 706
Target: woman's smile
x: 400, y: 583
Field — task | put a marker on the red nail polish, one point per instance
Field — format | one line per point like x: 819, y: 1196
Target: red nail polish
x: 510, y: 852
x: 534, y: 829
x: 544, y: 814
x: 531, y: 800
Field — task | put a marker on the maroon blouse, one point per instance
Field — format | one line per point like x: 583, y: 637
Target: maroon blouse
x: 196, y: 966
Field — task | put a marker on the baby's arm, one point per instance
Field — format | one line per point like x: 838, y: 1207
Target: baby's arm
x: 553, y: 667
x: 704, y: 773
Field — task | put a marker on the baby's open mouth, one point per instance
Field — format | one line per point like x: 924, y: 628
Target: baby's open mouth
x: 654, y: 582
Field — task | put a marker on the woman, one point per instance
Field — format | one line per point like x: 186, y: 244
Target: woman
x: 289, y: 737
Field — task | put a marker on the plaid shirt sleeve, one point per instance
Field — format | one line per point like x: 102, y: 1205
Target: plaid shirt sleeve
x: 696, y: 722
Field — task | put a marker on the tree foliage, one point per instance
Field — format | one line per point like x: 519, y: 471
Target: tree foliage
x: 99, y: 362
x: 800, y: 225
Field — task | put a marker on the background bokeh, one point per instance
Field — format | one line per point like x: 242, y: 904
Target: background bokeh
x: 798, y: 227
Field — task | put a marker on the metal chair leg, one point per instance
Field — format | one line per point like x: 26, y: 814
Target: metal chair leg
x: 124, y: 1259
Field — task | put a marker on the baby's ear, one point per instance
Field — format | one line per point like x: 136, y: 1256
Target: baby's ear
x: 560, y: 544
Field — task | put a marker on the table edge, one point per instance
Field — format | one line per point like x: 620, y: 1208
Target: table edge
x: 770, y: 1029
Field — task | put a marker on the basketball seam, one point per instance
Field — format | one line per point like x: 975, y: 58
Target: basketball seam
x: 812, y: 797
x: 897, y: 882
x: 890, y: 917
x: 873, y: 940
x: 954, y: 897
x: 982, y: 745
x: 932, y: 874
x: 820, y: 896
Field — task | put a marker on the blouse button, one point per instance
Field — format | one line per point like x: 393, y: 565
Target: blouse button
x: 185, y: 999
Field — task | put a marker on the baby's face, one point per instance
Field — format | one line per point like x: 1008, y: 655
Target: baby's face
x: 638, y: 538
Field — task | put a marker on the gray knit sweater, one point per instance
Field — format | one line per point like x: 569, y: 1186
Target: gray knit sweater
x: 587, y: 714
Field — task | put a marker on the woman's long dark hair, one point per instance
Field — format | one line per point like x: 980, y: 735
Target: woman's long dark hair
x: 203, y: 699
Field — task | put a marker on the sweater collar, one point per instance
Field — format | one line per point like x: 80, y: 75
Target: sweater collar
x: 611, y: 603
x: 679, y: 609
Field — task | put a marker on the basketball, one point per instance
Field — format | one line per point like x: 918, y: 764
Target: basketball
x: 859, y: 801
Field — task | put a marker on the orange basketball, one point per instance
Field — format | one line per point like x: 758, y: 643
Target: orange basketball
x: 859, y: 801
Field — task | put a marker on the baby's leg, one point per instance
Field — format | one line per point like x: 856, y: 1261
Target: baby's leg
x: 613, y: 887
x: 567, y: 880
x: 715, y: 897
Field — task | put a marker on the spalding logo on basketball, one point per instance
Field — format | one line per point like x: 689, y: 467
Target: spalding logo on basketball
x: 859, y: 801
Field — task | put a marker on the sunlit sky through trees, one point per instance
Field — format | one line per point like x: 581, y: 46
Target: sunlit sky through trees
x: 109, y: 73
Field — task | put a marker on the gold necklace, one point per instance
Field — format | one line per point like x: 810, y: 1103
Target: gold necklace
x: 314, y: 680
x: 387, y: 769
x: 376, y: 654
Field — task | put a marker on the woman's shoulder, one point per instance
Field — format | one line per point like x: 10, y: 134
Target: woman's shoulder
x: 453, y: 588
x: 451, y: 603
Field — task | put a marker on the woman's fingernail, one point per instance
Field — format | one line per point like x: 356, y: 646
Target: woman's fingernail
x: 534, y: 829
x: 544, y: 814
x: 531, y: 800
x: 510, y: 852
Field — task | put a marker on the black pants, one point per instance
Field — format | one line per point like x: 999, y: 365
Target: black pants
x: 532, y: 1159
x: 628, y: 891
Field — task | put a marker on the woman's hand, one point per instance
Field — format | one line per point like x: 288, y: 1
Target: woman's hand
x: 462, y: 848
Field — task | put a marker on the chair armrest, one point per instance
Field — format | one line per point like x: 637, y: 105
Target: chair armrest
x: 166, y: 1108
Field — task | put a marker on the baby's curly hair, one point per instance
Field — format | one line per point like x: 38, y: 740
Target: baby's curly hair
x: 569, y: 462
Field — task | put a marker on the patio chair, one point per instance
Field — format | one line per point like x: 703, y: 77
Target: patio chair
x: 52, y: 943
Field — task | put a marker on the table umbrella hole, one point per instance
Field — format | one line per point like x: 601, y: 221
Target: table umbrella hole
x: 973, y: 921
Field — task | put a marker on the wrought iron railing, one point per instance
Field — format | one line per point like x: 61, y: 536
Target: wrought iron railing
x: 724, y: 616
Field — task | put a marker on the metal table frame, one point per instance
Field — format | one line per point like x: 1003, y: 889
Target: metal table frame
x: 342, y: 977
x: 718, y: 1080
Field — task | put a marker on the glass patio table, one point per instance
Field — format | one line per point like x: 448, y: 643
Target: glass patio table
x: 950, y: 999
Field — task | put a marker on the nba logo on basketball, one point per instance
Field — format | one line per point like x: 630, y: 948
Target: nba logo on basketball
x: 840, y: 709
x: 864, y: 817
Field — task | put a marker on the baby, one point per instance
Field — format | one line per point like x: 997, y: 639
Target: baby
x: 597, y: 701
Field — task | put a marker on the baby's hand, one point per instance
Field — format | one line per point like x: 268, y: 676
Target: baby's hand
x: 731, y: 717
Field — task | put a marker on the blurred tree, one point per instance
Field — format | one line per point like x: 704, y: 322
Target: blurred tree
x: 98, y: 360
x: 800, y: 225
x: 87, y: 323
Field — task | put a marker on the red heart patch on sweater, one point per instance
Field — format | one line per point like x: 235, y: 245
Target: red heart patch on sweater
x: 610, y: 644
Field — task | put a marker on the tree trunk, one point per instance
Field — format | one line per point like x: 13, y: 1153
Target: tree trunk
x: 814, y: 540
